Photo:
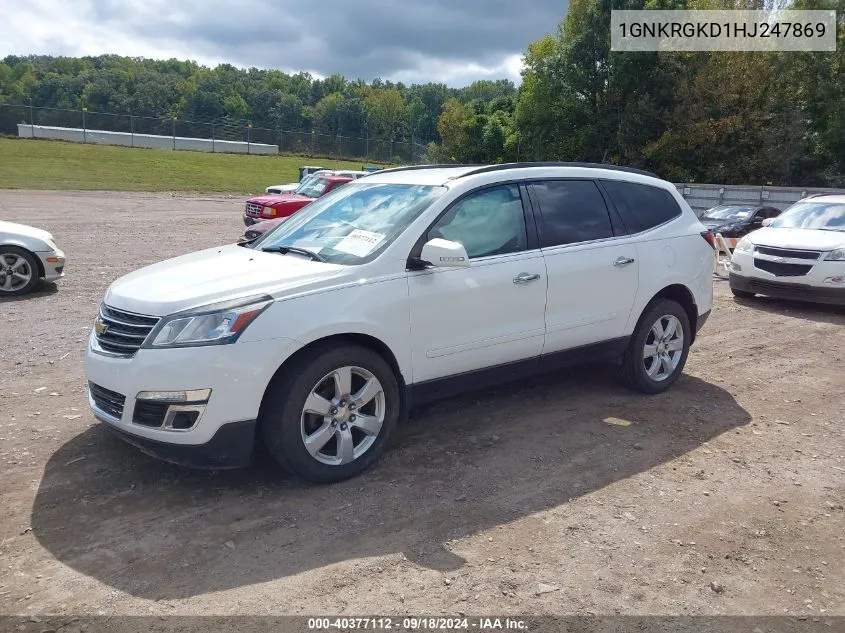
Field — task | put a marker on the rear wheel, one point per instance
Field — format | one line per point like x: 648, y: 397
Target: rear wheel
x: 331, y: 413
x: 658, y: 349
x: 18, y: 271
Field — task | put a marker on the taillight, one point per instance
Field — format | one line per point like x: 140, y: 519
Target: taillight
x: 708, y: 237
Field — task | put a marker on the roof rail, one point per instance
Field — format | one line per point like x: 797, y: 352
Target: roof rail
x: 489, y: 168
x: 415, y: 167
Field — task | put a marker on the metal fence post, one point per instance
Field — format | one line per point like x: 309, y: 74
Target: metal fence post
x: 132, y: 130
x: 280, y: 140
x: 173, y: 123
x: 340, y: 145
x: 84, y: 127
x: 31, y: 120
x: 212, y: 137
x: 248, y: 128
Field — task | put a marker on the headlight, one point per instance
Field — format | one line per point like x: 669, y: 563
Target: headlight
x: 744, y: 245
x: 216, y: 324
x: 836, y: 256
x: 270, y: 211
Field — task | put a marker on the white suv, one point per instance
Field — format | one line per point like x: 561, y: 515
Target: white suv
x: 798, y: 255
x: 403, y: 286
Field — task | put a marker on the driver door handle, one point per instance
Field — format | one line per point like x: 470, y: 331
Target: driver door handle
x: 524, y: 278
x: 623, y: 261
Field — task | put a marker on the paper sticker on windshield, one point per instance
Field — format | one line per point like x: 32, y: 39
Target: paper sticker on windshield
x: 743, y: 214
x: 359, y: 243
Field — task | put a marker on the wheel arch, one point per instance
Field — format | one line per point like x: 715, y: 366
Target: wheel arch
x: 682, y: 295
x: 365, y: 340
x: 23, y: 247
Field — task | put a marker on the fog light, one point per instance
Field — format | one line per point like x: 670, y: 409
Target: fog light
x: 835, y: 281
x: 195, y: 395
x: 735, y: 266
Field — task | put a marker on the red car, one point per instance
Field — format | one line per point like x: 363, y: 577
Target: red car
x: 271, y: 206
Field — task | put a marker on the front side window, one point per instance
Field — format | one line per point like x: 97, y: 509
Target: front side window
x: 487, y: 222
x: 572, y: 211
x: 812, y: 215
x: 352, y: 224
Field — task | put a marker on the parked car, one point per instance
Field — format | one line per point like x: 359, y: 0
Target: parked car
x: 271, y: 206
x: 27, y: 254
x: 737, y: 220
x: 799, y: 255
x: 399, y: 288
x: 260, y: 228
x: 304, y: 172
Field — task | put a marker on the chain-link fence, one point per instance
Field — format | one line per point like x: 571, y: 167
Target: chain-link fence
x: 215, y: 136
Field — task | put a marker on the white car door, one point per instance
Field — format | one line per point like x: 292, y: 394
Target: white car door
x: 492, y: 312
x: 593, y: 273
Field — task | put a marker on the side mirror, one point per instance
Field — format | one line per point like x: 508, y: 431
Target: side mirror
x: 442, y: 253
x: 767, y: 221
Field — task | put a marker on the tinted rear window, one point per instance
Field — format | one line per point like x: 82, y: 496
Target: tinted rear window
x: 642, y: 207
x: 571, y: 211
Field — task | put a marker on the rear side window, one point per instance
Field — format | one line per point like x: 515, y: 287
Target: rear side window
x: 571, y: 211
x: 642, y: 207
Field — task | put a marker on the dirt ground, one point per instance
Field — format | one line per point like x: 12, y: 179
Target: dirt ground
x: 561, y: 495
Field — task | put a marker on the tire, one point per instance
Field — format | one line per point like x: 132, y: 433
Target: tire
x: 638, y: 370
x: 742, y: 294
x: 285, y: 424
x: 21, y: 263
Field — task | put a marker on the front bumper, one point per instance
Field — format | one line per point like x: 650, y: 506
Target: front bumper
x: 782, y: 290
x: 53, y: 263
x: 230, y: 447
x: 236, y: 374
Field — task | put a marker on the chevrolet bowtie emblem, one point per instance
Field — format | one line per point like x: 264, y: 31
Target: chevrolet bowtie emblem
x: 100, y: 327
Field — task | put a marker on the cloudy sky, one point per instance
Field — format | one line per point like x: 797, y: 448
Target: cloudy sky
x: 452, y: 41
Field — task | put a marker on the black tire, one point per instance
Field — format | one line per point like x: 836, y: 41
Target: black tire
x: 633, y: 371
x: 280, y: 416
x: 742, y: 294
x: 33, y: 266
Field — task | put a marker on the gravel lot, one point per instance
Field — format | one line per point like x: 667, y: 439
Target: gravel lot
x: 561, y: 495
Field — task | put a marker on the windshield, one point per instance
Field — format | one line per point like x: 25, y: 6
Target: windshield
x: 728, y: 213
x: 313, y: 187
x: 812, y: 215
x: 353, y: 223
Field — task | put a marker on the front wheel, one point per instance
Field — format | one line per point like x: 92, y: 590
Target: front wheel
x: 330, y: 414
x: 18, y: 271
x: 658, y: 349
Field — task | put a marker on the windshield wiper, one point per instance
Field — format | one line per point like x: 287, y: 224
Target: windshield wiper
x: 284, y: 250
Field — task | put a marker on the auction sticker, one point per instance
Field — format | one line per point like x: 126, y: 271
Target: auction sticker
x: 359, y: 242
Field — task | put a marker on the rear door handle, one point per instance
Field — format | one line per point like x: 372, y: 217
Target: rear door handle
x: 623, y: 261
x: 524, y: 278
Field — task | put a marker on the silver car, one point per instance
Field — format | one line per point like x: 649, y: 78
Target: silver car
x: 27, y: 254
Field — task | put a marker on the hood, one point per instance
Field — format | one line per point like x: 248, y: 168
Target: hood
x: 273, y: 199
x: 806, y: 239
x: 22, y: 230
x: 217, y: 274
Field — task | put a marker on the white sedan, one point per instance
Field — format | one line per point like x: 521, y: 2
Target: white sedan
x: 27, y: 254
x: 799, y: 255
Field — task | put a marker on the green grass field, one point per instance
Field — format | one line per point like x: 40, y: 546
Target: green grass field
x: 42, y: 164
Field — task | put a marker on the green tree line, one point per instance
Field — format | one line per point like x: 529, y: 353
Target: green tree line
x: 725, y: 117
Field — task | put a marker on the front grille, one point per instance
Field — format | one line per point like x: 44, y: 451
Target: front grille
x: 253, y: 209
x: 124, y: 332
x: 787, y: 252
x: 106, y: 400
x: 782, y: 270
x: 149, y: 413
